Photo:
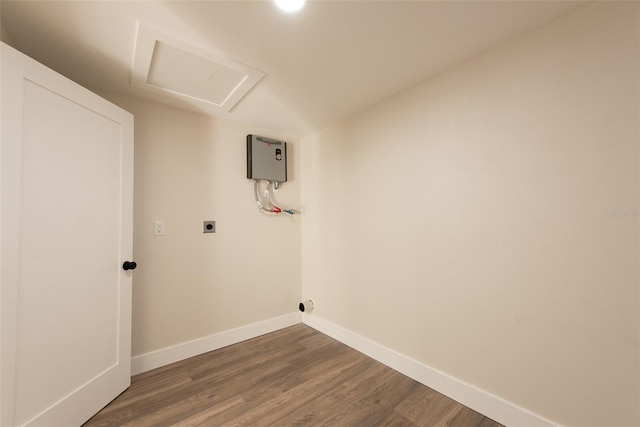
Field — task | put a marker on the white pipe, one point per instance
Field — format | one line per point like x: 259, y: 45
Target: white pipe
x: 306, y: 306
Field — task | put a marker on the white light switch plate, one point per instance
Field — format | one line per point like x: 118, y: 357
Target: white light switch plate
x: 158, y: 228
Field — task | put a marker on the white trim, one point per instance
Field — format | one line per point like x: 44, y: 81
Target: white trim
x: 492, y: 406
x: 155, y: 359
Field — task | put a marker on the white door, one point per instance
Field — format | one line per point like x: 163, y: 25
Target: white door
x: 66, y: 176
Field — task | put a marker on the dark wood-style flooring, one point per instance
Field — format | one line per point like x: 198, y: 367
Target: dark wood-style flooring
x: 293, y: 377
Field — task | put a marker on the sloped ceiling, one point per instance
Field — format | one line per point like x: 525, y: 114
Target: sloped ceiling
x: 332, y: 59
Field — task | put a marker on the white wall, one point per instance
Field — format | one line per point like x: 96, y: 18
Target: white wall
x: 485, y: 222
x: 188, y: 285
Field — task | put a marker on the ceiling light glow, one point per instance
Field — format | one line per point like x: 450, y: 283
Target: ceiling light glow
x: 290, y: 6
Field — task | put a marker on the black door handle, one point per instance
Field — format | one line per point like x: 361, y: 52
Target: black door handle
x: 129, y: 265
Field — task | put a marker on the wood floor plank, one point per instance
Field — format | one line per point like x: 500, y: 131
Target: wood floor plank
x: 394, y: 419
x: 328, y: 404
x: 377, y: 397
x: 292, y: 377
x: 270, y: 411
x: 229, y: 409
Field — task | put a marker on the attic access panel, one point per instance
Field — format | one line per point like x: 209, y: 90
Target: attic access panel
x: 266, y: 159
x: 182, y: 72
x: 167, y: 65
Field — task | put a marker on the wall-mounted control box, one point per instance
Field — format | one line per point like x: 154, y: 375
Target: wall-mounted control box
x: 266, y: 159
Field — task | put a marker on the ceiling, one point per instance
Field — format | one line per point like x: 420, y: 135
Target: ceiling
x: 329, y: 60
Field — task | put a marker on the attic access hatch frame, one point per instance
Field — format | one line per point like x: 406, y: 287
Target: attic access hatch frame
x: 163, y: 64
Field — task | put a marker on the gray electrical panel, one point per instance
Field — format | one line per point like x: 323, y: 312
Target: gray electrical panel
x: 266, y: 159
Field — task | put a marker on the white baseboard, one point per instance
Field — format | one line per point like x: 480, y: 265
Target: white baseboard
x: 473, y: 397
x: 155, y: 359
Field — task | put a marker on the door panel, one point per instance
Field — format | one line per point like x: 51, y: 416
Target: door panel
x: 67, y: 163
